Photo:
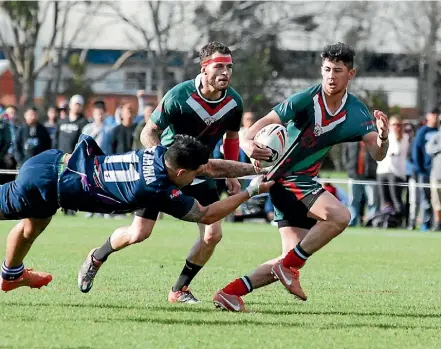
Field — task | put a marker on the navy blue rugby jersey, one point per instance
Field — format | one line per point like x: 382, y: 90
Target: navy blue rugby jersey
x: 120, y: 183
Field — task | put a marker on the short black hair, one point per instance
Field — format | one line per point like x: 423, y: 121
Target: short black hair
x: 34, y: 108
x: 435, y: 110
x: 339, y: 52
x: 212, y: 47
x: 187, y: 153
x: 100, y: 105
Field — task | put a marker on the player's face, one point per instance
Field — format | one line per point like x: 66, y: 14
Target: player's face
x: 218, y: 71
x: 335, y: 76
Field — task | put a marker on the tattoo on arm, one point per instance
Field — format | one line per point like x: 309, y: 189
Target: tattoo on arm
x: 150, y: 135
x: 195, y: 214
x: 216, y: 168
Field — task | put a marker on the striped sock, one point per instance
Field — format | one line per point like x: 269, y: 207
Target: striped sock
x: 296, y: 258
x: 239, y: 287
x: 12, y: 273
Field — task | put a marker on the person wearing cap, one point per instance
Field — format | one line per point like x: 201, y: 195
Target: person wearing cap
x: 69, y: 129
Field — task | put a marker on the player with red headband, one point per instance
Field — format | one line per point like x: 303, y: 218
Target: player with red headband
x: 206, y: 108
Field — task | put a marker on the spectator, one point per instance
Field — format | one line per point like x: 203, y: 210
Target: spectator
x: 14, y: 124
x: 433, y: 148
x: 63, y: 110
x: 391, y: 170
x: 360, y: 166
x: 411, y: 192
x: 68, y: 130
x: 51, y: 123
x: 148, y: 110
x: 123, y: 134
x: 422, y: 162
x: 5, y: 142
x: 32, y: 138
x: 97, y: 129
x: 138, y: 118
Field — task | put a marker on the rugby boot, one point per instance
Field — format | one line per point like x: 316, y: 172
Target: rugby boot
x: 228, y: 302
x: 29, y: 278
x: 289, y: 277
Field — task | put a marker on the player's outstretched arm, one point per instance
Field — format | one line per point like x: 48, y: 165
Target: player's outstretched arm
x: 220, y: 209
x: 217, y: 168
x: 150, y: 135
x: 377, y: 142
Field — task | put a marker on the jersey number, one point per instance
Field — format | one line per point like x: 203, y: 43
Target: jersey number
x: 128, y: 173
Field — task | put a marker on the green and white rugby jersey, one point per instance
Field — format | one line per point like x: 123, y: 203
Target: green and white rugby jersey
x: 313, y: 129
x: 183, y: 110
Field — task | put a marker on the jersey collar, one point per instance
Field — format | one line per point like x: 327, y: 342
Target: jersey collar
x: 344, y: 99
x: 197, y: 87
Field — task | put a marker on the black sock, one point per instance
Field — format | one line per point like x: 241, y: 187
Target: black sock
x: 186, y: 276
x: 101, y: 253
x: 300, y: 252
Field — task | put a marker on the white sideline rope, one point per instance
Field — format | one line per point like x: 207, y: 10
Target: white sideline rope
x: 347, y: 181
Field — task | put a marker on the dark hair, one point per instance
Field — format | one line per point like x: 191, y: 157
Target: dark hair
x: 187, y: 153
x: 31, y: 108
x: 212, y: 47
x: 435, y: 110
x: 100, y: 105
x: 339, y: 52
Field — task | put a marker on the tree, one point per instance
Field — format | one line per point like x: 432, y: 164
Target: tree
x: 29, y: 53
x: 19, y: 41
x: 154, y: 22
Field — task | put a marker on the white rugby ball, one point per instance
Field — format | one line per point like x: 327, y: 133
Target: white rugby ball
x: 275, y: 138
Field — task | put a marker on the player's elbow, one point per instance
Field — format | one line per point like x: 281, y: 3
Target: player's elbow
x: 209, y: 217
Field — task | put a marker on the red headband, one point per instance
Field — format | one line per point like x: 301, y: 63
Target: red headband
x: 225, y: 60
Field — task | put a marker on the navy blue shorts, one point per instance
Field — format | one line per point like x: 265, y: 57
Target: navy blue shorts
x: 33, y: 194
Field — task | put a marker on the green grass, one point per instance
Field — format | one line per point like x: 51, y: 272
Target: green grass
x: 367, y: 289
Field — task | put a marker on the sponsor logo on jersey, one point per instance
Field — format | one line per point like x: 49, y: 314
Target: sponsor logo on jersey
x: 175, y: 193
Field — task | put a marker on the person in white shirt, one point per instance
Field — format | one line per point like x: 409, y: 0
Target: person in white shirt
x: 391, y: 170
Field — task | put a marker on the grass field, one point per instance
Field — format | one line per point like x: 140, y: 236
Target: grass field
x: 367, y: 289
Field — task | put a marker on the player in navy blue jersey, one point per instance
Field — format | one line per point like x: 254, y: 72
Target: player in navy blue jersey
x: 87, y: 180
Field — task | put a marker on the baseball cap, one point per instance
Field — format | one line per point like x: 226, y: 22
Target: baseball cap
x: 76, y: 99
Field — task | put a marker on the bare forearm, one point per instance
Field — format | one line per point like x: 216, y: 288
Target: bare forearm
x: 380, y: 151
x: 217, y: 168
x: 221, y: 209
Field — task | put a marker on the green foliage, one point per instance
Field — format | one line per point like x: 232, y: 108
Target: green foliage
x: 22, y: 13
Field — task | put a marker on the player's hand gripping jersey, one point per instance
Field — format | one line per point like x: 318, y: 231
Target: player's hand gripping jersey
x: 183, y: 110
x: 95, y: 182
x: 313, y: 129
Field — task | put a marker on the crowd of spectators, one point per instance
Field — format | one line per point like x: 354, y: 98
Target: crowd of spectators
x: 413, y: 156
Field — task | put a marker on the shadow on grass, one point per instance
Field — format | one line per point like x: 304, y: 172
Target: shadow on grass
x: 179, y: 308
x: 238, y: 322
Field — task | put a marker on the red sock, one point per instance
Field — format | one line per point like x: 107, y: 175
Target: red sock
x: 292, y: 260
x: 239, y: 287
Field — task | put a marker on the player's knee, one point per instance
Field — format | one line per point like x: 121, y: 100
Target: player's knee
x: 138, y: 235
x: 213, y: 236
x: 341, y: 217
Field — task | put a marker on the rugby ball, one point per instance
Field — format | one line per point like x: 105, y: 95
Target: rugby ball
x: 275, y: 138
